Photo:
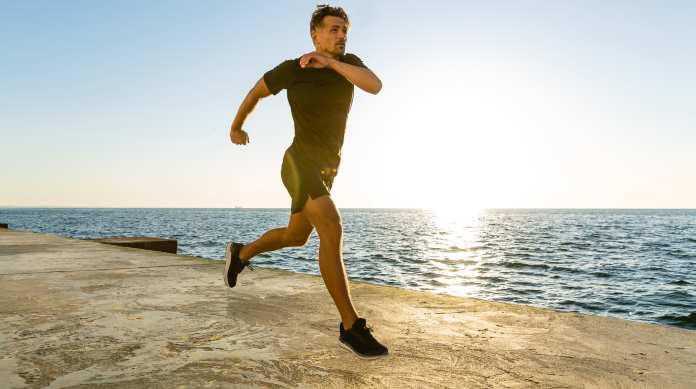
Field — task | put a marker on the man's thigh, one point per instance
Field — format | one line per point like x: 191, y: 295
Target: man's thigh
x: 322, y: 213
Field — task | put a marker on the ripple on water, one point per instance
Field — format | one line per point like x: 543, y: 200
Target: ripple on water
x: 524, y: 283
x: 590, y: 306
x: 530, y: 291
x: 456, y: 249
x: 621, y: 301
x: 615, y: 310
x: 431, y: 275
x: 678, y: 282
x: 491, y: 279
x: 564, y: 269
x: 458, y: 261
x: 601, y: 274
x: 679, y: 295
x: 572, y: 287
x: 521, y: 265
x: 685, y: 321
x: 681, y: 254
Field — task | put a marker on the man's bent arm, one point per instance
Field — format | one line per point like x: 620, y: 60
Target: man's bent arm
x: 359, y: 76
x: 259, y: 91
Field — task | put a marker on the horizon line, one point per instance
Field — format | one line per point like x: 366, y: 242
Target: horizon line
x: 287, y: 208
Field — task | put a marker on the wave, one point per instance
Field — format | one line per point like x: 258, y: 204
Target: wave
x: 681, y: 254
x: 601, y: 274
x: 530, y: 291
x: 676, y: 304
x: 588, y: 306
x: 491, y: 278
x: 688, y: 321
x: 679, y: 295
x: 524, y: 283
x: 657, y: 244
x: 431, y: 275
x: 678, y: 282
x: 517, y: 265
x: 653, y: 268
x: 576, y: 244
x: 457, y: 249
x: 457, y: 261
x: 567, y: 269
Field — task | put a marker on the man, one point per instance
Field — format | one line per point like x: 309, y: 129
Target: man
x: 319, y: 88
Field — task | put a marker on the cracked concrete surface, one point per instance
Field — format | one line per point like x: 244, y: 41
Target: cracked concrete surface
x: 76, y: 313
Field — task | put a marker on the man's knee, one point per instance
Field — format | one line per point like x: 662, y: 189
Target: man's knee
x: 330, y: 228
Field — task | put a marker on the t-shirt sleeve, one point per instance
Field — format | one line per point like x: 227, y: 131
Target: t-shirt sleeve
x: 353, y: 60
x: 281, y: 76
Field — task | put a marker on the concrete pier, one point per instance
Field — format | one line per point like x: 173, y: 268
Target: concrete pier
x: 77, y: 313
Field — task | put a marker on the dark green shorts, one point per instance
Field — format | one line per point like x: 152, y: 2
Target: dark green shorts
x: 303, y: 178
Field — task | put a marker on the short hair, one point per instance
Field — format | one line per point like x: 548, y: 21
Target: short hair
x: 323, y: 10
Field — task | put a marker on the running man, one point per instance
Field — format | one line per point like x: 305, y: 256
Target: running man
x: 319, y: 88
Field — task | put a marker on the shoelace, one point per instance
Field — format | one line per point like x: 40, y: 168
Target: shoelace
x: 367, y: 328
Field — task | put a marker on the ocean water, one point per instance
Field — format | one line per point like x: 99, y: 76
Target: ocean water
x: 635, y: 264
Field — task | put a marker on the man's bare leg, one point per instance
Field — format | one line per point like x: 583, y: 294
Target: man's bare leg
x: 324, y: 216
x: 295, y: 234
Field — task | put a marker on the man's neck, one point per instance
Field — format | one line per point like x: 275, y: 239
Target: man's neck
x: 334, y: 56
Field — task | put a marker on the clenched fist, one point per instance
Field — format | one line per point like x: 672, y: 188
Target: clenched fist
x: 239, y: 137
x: 315, y: 59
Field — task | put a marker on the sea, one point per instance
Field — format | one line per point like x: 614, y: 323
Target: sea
x: 635, y: 264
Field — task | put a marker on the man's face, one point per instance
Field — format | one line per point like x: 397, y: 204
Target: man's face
x: 331, y: 36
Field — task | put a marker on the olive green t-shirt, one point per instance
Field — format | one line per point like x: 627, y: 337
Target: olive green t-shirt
x: 320, y: 100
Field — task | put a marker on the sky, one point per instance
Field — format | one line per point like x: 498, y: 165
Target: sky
x: 485, y: 104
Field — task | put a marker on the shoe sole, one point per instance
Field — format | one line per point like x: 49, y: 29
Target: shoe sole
x: 361, y: 356
x: 228, y: 263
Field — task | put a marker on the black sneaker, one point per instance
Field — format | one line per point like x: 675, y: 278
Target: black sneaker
x: 233, y: 265
x: 359, y: 340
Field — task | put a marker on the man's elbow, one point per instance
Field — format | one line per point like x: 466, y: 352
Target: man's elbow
x: 376, y: 88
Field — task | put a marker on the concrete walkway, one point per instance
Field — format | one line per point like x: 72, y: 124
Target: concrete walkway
x: 75, y: 313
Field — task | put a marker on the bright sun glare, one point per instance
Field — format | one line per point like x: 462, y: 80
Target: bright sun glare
x: 455, y: 212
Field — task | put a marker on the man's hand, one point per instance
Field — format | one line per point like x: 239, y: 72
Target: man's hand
x: 259, y: 91
x: 314, y: 60
x: 361, y: 77
x: 239, y: 137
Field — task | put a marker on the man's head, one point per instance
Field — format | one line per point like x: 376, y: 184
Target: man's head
x: 329, y: 29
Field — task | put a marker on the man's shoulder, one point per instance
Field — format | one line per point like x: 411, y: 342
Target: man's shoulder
x: 282, y: 75
x: 292, y: 61
x: 352, y: 59
x: 288, y: 64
